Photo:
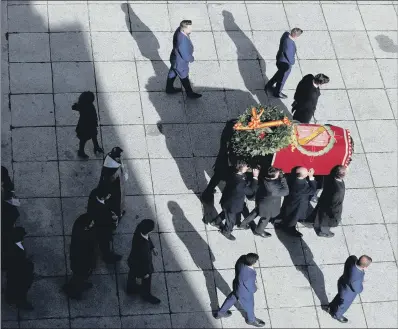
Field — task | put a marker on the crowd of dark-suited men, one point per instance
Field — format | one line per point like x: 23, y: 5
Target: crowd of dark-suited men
x: 94, y: 229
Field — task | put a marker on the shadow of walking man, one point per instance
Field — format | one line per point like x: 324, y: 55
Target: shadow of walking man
x: 246, y: 51
x: 292, y: 244
x: 200, y: 257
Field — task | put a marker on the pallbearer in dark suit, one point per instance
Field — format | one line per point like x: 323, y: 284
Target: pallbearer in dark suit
x: 328, y: 211
x: 284, y: 61
x: 180, y: 57
x: 295, y: 205
x: 268, y: 201
x: 19, y: 271
x: 104, y: 218
x: 244, y: 287
x: 140, y: 262
x: 233, y: 198
x: 349, y: 286
x: 82, y: 256
x: 306, y: 97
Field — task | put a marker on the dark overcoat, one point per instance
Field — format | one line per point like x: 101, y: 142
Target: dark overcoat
x: 181, y: 55
x: 102, y: 216
x: 235, y: 192
x: 83, y: 246
x: 19, y: 273
x: 295, y: 205
x: 269, y: 196
x: 305, y: 99
x: 140, y: 258
x: 88, y: 121
x: 330, y: 203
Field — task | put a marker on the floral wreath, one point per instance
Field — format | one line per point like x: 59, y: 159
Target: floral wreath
x: 299, y: 145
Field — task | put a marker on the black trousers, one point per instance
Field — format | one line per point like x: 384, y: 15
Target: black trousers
x: 144, y: 289
x: 230, y: 220
x: 83, y: 142
x: 262, y: 223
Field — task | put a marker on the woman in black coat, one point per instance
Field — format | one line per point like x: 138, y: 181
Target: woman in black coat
x: 140, y: 262
x: 82, y: 255
x: 306, y: 97
x: 86, y: 128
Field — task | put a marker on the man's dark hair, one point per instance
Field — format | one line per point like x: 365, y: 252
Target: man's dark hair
x: 239, y: 165
x: 321, y: 79
x: 185, y: 23
x: 272, y: 172
x: 146, y: 226
x: 339, y: 172
x: 296, y: 32
x: 364, y: 261
x: 251, y: 259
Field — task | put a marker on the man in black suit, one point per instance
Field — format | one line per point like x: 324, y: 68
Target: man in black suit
x: 328, y: 211
x: 233, y: 198
x: 140, y: 262
x: 82, y: 256
x: 268, y: 201
x: 295, y: 205
x: 19, y: 271
x: 349, y: 286
x: 284, y: 61
x: 104, y: 219
x: 306, y: 97
x: 244, y: 288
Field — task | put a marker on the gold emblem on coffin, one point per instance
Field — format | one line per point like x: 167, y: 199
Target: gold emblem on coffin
x: 306, y: 138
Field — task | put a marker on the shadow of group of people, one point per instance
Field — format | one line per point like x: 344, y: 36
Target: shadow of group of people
x: 243, y: 43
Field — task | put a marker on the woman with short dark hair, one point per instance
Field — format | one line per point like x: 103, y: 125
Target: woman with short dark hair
x: 86, y: 128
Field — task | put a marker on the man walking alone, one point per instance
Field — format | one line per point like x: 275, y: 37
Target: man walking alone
x: 284, y: 61
x: 180, y: 57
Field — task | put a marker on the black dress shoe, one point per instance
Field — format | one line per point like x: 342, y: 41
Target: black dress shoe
x: 82, y: 155
x: 98, y: 150
x: 151, y: 299
x: 228, y: 235
x: 280, y: 95
x: 258, y: 323
x: 263, y: 234
x: 194, y: 95
x: 325, y: 235
x: 341, y: 319
x: 217, y: 315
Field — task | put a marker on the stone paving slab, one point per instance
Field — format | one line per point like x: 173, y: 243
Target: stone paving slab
x: 54, y: 50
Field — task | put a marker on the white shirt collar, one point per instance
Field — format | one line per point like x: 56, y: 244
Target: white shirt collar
x: 99, y: 200
x: 19, y: 244
x: 145, y: 236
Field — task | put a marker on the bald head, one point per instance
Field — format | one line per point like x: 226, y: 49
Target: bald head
x: 301, y: 172
x: 364, y: 261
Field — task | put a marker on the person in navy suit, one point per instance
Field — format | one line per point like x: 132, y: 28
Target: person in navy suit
x: 180, y: 57
x: 349, y: 286
x: 284, y: 61
x: 244, y: 287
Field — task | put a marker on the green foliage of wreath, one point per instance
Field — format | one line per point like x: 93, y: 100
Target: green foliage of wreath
x: 252, y: 143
